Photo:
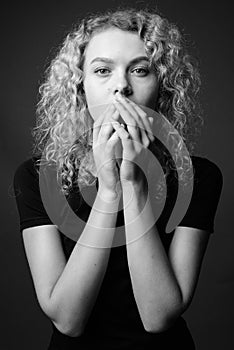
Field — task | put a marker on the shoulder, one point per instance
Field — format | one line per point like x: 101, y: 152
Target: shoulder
x: 206, y: 170
x: 207, y: 188
x: 26, y: 171
x: 27, y: 165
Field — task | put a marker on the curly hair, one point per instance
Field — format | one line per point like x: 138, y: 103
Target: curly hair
x: 63, y: 128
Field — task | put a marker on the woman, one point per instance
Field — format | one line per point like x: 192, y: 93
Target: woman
x: 93, y: 125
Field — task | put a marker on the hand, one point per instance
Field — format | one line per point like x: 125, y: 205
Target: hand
x: 105, y: 139
x: 135, y: 139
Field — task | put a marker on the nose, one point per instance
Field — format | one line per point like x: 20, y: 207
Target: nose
x: 122, y: 85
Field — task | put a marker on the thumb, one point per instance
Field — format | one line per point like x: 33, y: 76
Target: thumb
x: 114, y: 138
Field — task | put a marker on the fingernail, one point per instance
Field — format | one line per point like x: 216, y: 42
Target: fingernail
x: 118, y: 95
x: 115, y: 123
x: 115, y: 115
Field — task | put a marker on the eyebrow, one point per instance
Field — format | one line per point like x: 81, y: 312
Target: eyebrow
x: 109, y: 60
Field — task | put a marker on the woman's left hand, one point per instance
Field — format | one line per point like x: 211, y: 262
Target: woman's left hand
x: 135, y: 139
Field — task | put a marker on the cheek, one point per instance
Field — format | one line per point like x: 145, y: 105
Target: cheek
x: 96, y: 110
x: 149, y: 91
x: 94, y: 101
x: 93, y: 94
x: 149, y: 99
x: 153, y: 95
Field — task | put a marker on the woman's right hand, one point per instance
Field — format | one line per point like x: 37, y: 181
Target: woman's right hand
x: 105, y: 139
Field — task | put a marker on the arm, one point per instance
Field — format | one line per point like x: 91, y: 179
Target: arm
x: 163, y: 285
x: 67, y: 291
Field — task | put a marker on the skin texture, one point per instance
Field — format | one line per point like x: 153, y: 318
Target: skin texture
x: 121, y: 47
x: 136, y: 81
x: 163, y: 284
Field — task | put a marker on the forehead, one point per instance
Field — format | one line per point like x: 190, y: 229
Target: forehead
x: 114, y: 43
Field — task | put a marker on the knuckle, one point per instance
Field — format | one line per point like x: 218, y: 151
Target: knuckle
x: 151, y: 119
x: 96, y: 122
x: 147, y: 143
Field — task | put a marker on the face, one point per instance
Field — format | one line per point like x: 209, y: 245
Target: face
x: 114, y: 60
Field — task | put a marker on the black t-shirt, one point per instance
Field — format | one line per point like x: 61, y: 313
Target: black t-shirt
x: 115, y: 321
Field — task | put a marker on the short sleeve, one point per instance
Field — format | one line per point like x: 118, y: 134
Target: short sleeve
x: 27, y: 194
x: 207, y: 187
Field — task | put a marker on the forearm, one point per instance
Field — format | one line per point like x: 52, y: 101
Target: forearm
x: 155, y: 287
x: 75, y: 292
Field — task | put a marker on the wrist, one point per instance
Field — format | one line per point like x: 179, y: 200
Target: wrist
x: 139, y: 187
x: 108, y: 195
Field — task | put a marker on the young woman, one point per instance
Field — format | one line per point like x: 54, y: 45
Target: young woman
x: 92, y: 126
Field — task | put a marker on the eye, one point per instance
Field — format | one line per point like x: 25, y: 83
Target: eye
x: 101, y: 70
x: 145, y: 70
x: 104, y: 71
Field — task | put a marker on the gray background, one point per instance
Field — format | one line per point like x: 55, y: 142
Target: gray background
x: 29, y: 37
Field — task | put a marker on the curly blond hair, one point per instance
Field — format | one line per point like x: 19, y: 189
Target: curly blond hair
x: 63, y: 130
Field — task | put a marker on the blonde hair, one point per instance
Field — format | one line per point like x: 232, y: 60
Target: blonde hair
x: 63, y: 130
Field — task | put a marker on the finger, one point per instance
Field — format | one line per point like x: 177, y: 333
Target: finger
x: 106, y: 129
x: 110, y: 148
x: 132, y: 126
x: 138, y: 118
x: 98, y: 123
x: 141, y: 124
x: 123, y: 135
x: 147, y: 121
x: 130, y: 108
x: 113, y: 140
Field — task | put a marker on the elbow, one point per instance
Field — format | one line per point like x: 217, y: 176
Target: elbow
x: 159, y: 326
x: 65, y: 322
x: 163, y: 320
x: 73, y: 333
x: 67, y: 329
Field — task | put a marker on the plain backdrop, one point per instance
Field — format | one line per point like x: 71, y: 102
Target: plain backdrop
x: 30, y: 35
